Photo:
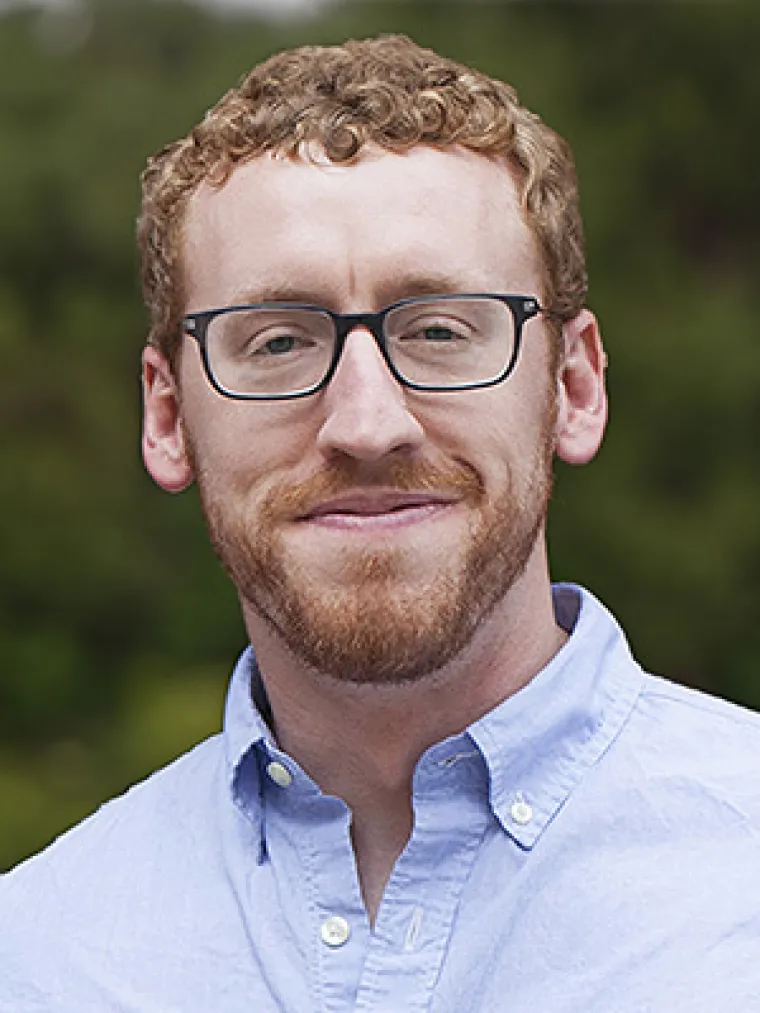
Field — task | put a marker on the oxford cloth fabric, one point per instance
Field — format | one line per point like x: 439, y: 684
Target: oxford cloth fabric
x: 590, y: 846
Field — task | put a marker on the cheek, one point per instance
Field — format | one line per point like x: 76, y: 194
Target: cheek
x: 511, y: 433
x: 244, y: 448
x: 481, y: 425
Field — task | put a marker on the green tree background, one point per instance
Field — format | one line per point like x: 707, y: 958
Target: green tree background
x: 117, y: 627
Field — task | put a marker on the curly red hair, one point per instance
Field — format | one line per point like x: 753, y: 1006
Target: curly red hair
x: 388, y: 92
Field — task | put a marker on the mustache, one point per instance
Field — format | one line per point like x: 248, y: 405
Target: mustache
x: 296, y: 500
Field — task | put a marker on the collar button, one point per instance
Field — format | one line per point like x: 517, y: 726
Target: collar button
x: 280, y: 774
x: 521, y: 812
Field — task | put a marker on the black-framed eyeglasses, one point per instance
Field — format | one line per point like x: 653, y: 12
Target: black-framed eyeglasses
x: 276, y: 351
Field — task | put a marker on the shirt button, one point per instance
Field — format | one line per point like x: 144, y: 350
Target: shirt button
x: 335, y: 931
x: 279, y: 774
x: 521, y: 812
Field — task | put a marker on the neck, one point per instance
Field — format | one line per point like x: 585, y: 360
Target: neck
x: 383, y: 730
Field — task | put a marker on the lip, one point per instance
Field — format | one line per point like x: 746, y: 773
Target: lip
x: 379, y: 508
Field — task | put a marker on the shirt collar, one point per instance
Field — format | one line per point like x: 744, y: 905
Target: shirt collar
x: 246, y: 736
x: 537, y: 745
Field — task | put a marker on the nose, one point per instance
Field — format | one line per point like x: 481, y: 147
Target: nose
x: 366, y: 410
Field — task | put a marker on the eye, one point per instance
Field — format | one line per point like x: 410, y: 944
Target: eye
x: 277, y: 343
x: 437, y: 332
x: 425, y: 329
x: 280, y: 345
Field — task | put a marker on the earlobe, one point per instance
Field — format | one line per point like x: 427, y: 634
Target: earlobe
x: 164, y: 446
x: 582, y: 396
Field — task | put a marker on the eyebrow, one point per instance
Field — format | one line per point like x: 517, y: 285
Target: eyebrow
x: 404, y: 287
x: 275, y: 293
x: 425, y: 284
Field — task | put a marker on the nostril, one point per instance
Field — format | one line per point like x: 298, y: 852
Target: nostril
x: 367, y: 423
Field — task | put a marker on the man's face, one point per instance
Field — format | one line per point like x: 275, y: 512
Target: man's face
x: 371, y: 527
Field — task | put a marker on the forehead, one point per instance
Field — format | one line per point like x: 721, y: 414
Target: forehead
x: 358, y: 234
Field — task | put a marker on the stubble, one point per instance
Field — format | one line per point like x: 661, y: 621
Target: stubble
x: 372, y: 626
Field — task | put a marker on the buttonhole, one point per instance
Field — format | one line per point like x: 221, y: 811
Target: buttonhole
x: 412, y: 933
x: 456, y: 757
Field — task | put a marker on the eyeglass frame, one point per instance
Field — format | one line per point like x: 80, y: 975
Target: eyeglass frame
x: 522, y: 308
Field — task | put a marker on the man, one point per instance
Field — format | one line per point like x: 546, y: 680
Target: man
x: 442, y: 785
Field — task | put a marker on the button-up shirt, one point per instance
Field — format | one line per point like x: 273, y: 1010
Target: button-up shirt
x: 592, y: 845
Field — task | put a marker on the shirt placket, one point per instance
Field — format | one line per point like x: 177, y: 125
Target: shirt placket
x: 309, y: 845
x: 418, y: 911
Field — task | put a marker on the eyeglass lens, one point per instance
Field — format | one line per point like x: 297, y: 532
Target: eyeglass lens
x: 443, y: 343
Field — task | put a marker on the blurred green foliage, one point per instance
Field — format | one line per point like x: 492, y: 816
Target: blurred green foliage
x: 117, y: 627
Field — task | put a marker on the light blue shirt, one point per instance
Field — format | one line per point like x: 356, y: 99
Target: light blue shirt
x: 590, y: 846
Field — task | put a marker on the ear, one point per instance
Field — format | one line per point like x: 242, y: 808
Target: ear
x: 582, y: 397
x: 164, y: 445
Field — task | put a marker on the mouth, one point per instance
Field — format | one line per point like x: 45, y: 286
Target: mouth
x: 378, y: 509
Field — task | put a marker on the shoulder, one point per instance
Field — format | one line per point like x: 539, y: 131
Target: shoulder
x: 680, y: 710
x: 136, y: 900
x: 112, y: 890
x: 123, y: 835
x: 695, y: 750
